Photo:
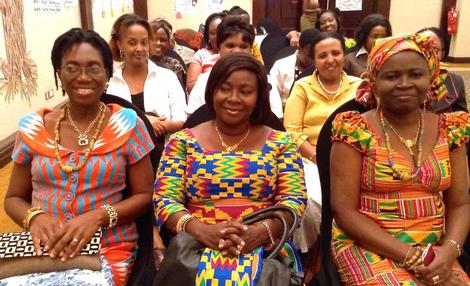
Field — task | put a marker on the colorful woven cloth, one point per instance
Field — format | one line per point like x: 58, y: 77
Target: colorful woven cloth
x: 412, y: 212
x: 123, y: 141
x: 384, y: 48
x: 217, y: 186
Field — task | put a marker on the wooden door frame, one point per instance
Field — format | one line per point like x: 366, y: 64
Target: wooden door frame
x: 259, y: 9
x: 86, y: 12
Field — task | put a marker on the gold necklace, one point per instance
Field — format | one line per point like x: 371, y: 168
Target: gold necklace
x: 230, y: 148
x: 409, y: 143
x: 405, y: 176
x: 83, y: 136
x: 325, y: 89
x: 66, y: 168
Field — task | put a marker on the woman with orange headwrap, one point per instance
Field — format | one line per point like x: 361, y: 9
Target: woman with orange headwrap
x: 387, y: 201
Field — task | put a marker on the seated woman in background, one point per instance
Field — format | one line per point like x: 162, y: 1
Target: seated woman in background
x: 233, y: 35
x: 400, y: 174
x: 371, y: 28
x: 159, y: 44
x: 151, y: 88
x: 456, y: 96
x: 54, y: 160
x: 329, y: 21
x: 267, y: 171
x: 311, y: 101
x: 206, y: 57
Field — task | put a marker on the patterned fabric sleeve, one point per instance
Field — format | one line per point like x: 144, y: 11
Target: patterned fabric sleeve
x: 21, y: 152
x: 139, y: 143
x: 291, y: 191
x: 351, y: 128
x: 457, y: 127
x: 169, y: 192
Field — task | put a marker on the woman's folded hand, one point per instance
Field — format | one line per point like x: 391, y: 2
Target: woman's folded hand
x: 42, y: 229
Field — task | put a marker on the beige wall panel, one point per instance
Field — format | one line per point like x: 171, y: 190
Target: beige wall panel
x: 410, y: 16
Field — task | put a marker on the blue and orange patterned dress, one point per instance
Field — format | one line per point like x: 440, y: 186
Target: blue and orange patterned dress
x: 217, y: 186
x: 412, y: 212
x: 122, y: 142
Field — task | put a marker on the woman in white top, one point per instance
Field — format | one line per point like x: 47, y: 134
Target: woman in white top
x: 153, y: 89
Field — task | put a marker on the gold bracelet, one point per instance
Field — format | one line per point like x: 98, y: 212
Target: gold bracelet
x: 113, y: 215
x: 270, y: 234
x: 182, y: 221
x: 456, y: 245
x: 29, y: 215
x: 403, y: 263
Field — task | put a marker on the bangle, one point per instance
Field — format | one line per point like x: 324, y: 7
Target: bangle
x: 113, y: 215
x: 183, y: 221
x: 270, y: 234
x: 29, y: 215
x: 456, y: 245
x: 402, y: 264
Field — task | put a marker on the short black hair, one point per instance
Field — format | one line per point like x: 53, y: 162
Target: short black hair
x: 308, y: 36
x: 230, y: 63
x: 233, y: 25
x: 75, y: 36
x: 212, y: 17
x: 336, y: 13
x: 237, y: 10
x: 326, y: 35
x: 126, y: 20
x: 442, y: 36
x: 367, y: 24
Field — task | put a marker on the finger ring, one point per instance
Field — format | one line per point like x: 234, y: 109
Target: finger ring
x: 75, y: 240
x: 435, y: 279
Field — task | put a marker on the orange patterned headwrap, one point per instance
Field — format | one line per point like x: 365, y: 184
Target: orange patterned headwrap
x: 385, y: 48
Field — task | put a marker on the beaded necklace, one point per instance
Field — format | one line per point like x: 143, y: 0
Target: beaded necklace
x: 327, y: 90
x: 67, y: 168
x: 403, y: 175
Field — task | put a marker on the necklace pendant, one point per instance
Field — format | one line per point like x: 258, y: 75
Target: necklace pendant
x: 409, y: 143
x: 229, y: 149
x: 82, y: 140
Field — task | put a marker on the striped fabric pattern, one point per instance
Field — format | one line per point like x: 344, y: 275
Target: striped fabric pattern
x: 217, y: 186
x: 123, y: 141
x: 413, y: 212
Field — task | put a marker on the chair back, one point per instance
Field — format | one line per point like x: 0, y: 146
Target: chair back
x: 328, y: 274
x: 144, y: 269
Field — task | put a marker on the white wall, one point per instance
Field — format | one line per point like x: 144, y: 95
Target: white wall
x: 166, y: 9
x: 410, y: 16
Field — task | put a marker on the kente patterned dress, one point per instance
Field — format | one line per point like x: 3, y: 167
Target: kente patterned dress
x: 216, y: 186
x: 412, y: 212
x: 122, y: 142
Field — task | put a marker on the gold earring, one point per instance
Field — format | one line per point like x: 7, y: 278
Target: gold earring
x: 121, y: 54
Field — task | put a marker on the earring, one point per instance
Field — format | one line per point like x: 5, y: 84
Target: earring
x: 121, y: 54
x: 377, y: 99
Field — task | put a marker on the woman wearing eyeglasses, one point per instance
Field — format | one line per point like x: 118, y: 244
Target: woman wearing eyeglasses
x: 78, y: 160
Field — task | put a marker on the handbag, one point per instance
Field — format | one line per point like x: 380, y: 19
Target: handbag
x: 179, y: 268
x: 17, y: 256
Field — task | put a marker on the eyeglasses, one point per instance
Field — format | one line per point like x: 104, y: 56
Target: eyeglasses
x: 76, y: 70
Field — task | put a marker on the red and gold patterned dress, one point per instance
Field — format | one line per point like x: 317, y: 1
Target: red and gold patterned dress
x: 412, y: 212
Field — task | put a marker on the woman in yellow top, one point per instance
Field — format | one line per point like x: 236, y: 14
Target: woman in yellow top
x: 311, y: 101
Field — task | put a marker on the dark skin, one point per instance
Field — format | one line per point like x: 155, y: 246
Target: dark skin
x: 234, y: 102
x: 65, y: 240
x: 401, y: 85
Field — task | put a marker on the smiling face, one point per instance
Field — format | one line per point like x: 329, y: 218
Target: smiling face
x: 375, y: 33
x: 402, y: 82
x: 234, y: 44
x: 213, y: 33
x: 82, y: 74
x: 329, y: 58
x: 161, y: 42
x: 134, y: 43
x: 235, y: 99
x: 328, y: 22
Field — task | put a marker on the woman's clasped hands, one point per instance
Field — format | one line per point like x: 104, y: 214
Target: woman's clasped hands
x: 232, y: 237
x: 63, y: 241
